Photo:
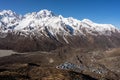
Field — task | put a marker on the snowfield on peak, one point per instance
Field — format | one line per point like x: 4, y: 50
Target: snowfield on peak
x: 54, y: 24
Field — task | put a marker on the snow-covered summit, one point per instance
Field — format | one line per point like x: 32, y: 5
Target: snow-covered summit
x: 8, y: 20
x: 54, y: 24
x: 7, y: 13
x: 45, y: 13
x: 41, y: 14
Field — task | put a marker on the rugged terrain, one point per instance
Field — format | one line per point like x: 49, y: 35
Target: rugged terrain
x: 57, y: 48
x: 67, y: 65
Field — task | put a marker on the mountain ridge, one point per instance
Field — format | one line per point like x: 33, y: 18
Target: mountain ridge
x: 47, y: 31
x: 35, y: 20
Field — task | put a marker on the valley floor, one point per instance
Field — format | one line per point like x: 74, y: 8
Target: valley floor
x: 6, y: 53
x: 96, y: 65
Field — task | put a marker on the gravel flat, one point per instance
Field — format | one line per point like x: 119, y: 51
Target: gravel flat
x: 6, y: 53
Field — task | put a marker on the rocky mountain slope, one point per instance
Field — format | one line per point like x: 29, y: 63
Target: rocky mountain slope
x: 47, y: 31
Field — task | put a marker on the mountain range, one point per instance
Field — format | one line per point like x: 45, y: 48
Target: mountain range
x: 46, y: 46
x: 46, y: 31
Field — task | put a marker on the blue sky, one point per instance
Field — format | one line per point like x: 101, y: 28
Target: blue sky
x: 99, y: 11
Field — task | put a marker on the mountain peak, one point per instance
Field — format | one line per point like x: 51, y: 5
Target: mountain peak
x: 7, y: 12
x: 45, y: 13
x: 87, y: 21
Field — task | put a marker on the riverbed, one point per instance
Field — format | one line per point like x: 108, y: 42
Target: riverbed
x: 6, y: 53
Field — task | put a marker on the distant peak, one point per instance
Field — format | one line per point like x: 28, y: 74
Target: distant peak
x: 46, y: 13
x: 87, y: 20
x: 7, y: 12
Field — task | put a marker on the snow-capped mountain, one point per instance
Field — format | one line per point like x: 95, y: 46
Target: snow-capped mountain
x: 51, y: 26
x: 8, y: 20
x: 56, y: 24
